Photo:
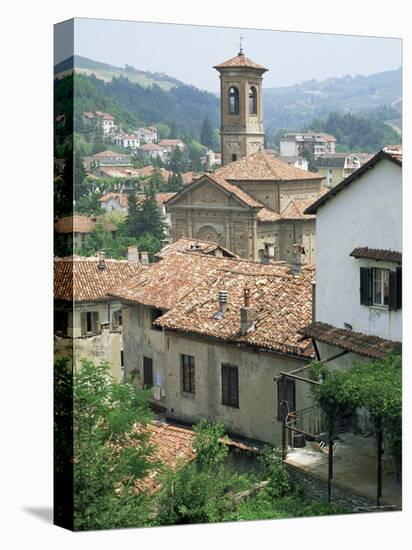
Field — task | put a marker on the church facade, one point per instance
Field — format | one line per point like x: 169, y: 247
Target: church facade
x: 254, y: 204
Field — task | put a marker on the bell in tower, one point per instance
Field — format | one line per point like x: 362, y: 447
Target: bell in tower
x: 241, y: 127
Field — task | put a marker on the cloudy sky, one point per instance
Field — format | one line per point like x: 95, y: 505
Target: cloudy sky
x: 189, y: 52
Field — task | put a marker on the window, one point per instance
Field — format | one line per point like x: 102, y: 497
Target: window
x: 117, y: 318
x: 89, y: 322
x: 147, y: 372
x: 234, y: 157
x: 286, y: 392
x: 233, y: 101
x: 252, y: 100
x: 230, y: 386
x: 61, y: 321
x: 187, y: 363
x: 122, y: 359
x: 381, y: 287
x: 155, y: 314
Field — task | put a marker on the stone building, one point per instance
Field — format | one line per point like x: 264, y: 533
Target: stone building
x: 210, y: 333
x: 254, y: 204
x: 87, y: 321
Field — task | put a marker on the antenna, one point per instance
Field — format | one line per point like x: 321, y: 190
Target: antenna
x: 241, y: 38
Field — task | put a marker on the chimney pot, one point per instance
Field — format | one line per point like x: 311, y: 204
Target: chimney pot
x: 222, y: 297
x: 101, y: 264
x: 144, y: 257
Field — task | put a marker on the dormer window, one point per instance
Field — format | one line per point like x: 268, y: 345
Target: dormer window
x: 233, y: 101
x: 252, y: 100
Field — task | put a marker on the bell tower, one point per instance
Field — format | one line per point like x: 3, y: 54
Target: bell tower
x: 241, y: 127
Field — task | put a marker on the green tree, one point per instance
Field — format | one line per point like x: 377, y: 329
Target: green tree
x: 206, y: 133
x: 310, y: 157
x: 109, y: 456
x: 173, y: 130
x: 179, y: 161
x: 157, y: 180
x: 174, y: 183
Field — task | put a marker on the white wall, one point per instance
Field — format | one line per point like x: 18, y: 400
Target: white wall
x: 367, y: 213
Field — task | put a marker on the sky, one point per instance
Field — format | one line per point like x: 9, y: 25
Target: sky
x: 188, y: 52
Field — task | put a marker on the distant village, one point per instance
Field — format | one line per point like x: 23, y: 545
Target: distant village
x: 265, y: 266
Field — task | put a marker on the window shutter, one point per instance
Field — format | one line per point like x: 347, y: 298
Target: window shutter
x: 365, y: 286
x: 399, y: 287
x: 96, y: 326
x: 225, y: 385
x: 392, y: 290
x: 234, y: 387
x: 83, y: 323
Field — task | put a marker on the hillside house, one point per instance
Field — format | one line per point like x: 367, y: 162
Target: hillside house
x: 153, y: 151
x: 169, y: 145
x: 105, y: 121
x: 131, y: 141
x: 338, y: 166
x: 210, y: 333
x: 148, y: 135
x: 72, y: 232
x: 87, y: 321
x: 293, y: 144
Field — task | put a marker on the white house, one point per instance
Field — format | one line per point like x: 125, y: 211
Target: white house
x: 292, y: 144
x: 147, y: 135
x: 126, y: 140
x: 359, y: 261
x: 153, y: 151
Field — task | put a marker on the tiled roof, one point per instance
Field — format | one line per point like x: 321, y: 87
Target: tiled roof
x: 121, y: 198
x: 240, y: 61
x: 267, y: 215
x: 170, y: 142
x: 282, y: 303
x: 195, y: 247
x: 78, y: 278
x: 234, y: 190
x: 394, y: 151
x: 384, y: 154
x: 262, y: 166
x: 377, y: 254
x: 295, y: 209
x: 172, y: 446
x: 108, y: 154
x: 355, y: 342
x: 80, y: 224
x: 151, y: 147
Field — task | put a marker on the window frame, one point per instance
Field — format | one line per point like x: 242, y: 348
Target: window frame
x: 188, y: 373
x: 253, y: 108
x: 233, y: 94
x: 147, y: 363
x: 230, y: 397
x: 384, y: 274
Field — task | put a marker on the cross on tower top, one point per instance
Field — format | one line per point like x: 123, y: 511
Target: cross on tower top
x: 240, y: 44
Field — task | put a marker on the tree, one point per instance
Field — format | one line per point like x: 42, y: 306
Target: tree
x: 206, y: 133
x: 173, y: 130
x: 109, y: 455
x: 310, y: 157
x: 174, y: 183
x: 157, y: 180
x: 178, y: 161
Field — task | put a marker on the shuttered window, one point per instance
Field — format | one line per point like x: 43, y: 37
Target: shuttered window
x: 89, y: 322
x: 286, y: 392
x: 147, y: 372
x: 187, y: 364
x: 230, y: 386
x: 381, y: 287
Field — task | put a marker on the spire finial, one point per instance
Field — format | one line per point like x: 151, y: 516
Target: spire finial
x: 240, y: 44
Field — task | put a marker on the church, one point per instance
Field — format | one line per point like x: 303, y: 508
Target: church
x: 254, y: 204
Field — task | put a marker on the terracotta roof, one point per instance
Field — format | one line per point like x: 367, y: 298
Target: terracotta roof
x: 295, y: 209
x: 377, y: 254
x: 282, y: 303
x: 262, y: 166
x: 240, y: 61
x: 151, y: 147
x: 88, y: 114
x: 267, y: 215
x: 194, y: 246
x: 108, y: 154
x: 172, y: 446
x: 120, y: 198
x: 165, y: 283
x: 78, y: 278
x: 355, y: 342
x: 171, y: 142
x: 383, y: 154
x: 80, y: 224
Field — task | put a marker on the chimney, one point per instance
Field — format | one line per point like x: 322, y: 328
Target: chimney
x: 132, y: 254
x: 144, y: 257
x: 222, y: 304
x: 101, y: 264
x: 247, y: 314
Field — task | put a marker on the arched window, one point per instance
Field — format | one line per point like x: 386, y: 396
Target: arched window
x: 234, y: 157
x: 233, y: 101
x: 252, y: 100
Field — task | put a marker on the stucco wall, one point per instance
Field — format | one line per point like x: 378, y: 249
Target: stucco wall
x: 367, y: 213
x: 256, y: 416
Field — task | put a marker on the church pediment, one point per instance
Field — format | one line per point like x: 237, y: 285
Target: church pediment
x: 205, y: 193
